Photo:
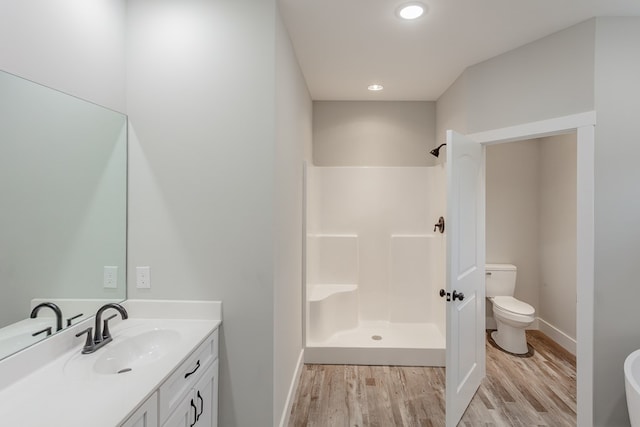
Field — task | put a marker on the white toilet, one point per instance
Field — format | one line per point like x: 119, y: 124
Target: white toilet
x: 512, y: 316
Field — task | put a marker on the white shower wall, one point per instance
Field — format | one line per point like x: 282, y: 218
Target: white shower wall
x: 373, y: 227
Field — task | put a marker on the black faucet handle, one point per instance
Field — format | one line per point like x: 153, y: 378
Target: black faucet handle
x: 88, y: 345
x: 47, y: 330
x: 106, y: 334
x: 71, y: 319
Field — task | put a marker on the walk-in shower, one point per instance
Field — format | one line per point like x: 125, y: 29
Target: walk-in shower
x: 374, y: 266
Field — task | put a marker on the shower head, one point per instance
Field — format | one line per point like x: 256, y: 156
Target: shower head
x: 436, y: 151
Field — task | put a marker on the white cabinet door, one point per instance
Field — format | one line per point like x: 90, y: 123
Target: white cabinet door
x: 184, y: 414
x: 146, y: 415
x: 206, y: 398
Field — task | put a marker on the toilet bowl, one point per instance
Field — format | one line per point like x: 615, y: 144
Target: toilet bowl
x: 511, y: 315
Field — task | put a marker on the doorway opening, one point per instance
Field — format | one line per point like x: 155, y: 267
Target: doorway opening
x: 583, y: 124
x: 531, y: 224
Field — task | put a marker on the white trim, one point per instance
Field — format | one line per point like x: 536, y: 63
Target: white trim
x: 535, y: 129
x: 585, y: 272
x: 562, y: 339
x: 284, y: 418
x: 584, y: 124
x: 303, y: 278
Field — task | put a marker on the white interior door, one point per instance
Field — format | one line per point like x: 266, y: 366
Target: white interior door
x: 465, y: 274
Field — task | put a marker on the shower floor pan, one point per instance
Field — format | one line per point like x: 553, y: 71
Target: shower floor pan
x: 381, y: 343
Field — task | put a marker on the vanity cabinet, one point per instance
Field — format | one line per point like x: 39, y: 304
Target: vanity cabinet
x: 188, y: 397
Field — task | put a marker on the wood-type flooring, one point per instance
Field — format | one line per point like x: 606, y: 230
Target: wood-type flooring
x: 518, y: 391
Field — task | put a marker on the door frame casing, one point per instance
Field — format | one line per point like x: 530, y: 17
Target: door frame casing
x: 584, y: 125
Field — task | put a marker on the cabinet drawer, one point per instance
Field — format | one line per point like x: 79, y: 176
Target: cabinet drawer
x: 183, y: 379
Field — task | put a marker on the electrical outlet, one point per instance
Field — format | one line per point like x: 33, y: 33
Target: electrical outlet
x: 143, y: 280
x: 110, y: 277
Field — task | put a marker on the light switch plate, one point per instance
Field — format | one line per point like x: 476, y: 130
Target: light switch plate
x: 143, y: 279
x: 110, y: 277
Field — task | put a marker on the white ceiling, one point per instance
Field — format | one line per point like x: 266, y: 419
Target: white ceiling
x: 345, y: 45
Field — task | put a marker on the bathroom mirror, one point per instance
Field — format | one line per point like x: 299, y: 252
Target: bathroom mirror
x: 63, y: 192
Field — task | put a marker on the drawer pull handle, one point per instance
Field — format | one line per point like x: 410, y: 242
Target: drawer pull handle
x: 195, y: 412
x: 201, y: 406
x: 188, y: 374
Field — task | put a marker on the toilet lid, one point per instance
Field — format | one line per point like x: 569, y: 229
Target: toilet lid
x: 513, y: 305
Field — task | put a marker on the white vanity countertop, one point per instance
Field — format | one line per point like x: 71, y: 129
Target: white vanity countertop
x: 67, y: 392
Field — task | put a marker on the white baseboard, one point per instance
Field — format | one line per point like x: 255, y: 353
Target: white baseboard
x: 564, y: 340
x: 284, y: 419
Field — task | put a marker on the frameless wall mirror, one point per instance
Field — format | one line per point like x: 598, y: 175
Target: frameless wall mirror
x: 63, y: 192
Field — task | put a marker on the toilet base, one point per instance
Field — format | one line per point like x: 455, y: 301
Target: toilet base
x: 510, y: 339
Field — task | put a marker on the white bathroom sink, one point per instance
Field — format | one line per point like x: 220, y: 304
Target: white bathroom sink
x: 136, y: 351
x: 130, y: 351
x: 632, y: 386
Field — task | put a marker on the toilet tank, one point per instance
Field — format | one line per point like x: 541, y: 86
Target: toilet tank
x: 500, y: 280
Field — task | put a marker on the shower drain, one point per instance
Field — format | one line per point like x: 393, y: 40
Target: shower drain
x: 376, y: 337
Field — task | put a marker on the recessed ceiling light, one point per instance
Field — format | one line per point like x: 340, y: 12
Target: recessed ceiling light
x: 375, y: 88
x: 413, y: 10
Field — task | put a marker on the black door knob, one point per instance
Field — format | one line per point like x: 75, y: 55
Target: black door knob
x: 458, y: 295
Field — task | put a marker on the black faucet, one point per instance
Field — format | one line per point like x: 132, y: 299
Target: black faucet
x: 102, y: 336
x: 53, y: 307
x: 99, y: 336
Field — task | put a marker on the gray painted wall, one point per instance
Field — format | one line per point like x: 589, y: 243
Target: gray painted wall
x: 451, y: 110
x: 293, y: 146
x: 201, y: 102
x: 512, y: 233
x: 551, y: 77
x: 373, y: 133
x: 557, y: 224
x: 547, y: 78
x: 75, y: 46
x: 617, y: 209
